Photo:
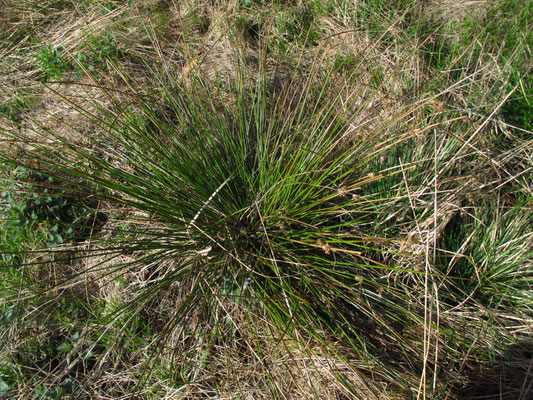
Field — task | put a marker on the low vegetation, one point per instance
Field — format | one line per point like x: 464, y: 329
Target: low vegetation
x: 266, y: 199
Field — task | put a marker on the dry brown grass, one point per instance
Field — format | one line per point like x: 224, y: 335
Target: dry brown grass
x: 249, y: 357
x: 446, y: 10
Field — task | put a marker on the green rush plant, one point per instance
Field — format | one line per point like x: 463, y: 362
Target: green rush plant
x: 493, y: 243
x: 256, y: 201
x: 53, y: 62
x: 262, y: 199
x: 342, y: 210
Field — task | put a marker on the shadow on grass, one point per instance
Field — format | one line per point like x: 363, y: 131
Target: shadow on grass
x: 509, y: 378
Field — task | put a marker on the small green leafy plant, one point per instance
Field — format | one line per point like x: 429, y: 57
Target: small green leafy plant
x: 99, y: 51
x: 36, y: 206
x: 13, y: 108
x: 53, y: 62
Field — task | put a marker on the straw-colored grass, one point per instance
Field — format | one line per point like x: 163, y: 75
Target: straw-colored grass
x: 256, y: 200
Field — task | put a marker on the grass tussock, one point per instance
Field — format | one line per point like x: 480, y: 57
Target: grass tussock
x: 257, y: 199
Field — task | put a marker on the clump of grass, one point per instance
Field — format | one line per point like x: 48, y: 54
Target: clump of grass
x: 285, y: 227
x: 493, y: 244
x: 257, y: 202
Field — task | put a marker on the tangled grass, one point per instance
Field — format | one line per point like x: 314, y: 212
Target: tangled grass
x: 276, y: 235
